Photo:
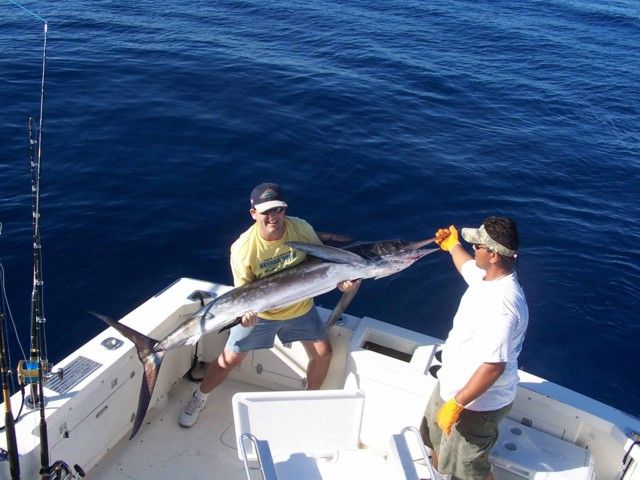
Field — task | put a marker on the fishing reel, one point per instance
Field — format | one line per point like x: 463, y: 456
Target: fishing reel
x: 29, y: 371
x: 29, y: 374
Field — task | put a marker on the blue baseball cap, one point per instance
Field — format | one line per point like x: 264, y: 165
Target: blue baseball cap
x: 267, y: 196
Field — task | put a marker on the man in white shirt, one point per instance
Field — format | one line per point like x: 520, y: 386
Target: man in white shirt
x: 479, y: 374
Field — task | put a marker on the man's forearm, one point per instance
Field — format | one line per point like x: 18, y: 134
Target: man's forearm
x: 485, y: 376
x: 459, y: 256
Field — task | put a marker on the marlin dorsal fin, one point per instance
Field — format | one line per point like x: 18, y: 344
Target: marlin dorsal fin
x: 325, y: 252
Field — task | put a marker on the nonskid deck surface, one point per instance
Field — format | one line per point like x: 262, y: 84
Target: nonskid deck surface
x: 163, y: 449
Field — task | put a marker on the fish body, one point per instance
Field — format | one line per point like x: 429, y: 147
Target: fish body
x: 315, y: 276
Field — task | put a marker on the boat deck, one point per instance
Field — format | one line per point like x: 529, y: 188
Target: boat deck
x: 164, y: 449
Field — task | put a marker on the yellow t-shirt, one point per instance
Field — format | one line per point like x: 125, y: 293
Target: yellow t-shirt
x: 253, y: 257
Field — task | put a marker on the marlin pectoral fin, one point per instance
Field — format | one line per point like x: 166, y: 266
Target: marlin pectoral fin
x: 325, y: 252
x: 342, y: 305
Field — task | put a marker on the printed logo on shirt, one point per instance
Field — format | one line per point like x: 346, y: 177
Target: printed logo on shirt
x: 277, y: 263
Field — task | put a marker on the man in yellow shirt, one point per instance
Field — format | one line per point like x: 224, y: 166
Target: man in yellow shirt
x: 258, y: 252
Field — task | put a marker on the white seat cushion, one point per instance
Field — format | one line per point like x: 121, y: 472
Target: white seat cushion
x: 344, y: 464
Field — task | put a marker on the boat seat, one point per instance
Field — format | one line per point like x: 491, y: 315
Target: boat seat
x: 530, y: 453
x: 318, y: 422
x: 311, y: 434
x: 315, y: 435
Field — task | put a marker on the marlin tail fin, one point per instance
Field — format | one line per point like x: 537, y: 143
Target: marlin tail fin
x: 151, y: 359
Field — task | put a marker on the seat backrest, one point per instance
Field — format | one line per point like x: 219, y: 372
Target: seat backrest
x: 315, y: 421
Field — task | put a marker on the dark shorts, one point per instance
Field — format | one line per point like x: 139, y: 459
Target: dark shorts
x: 465, y: 453
x: 262, y: 335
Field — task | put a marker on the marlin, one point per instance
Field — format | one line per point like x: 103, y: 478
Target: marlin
x: 319, y: 274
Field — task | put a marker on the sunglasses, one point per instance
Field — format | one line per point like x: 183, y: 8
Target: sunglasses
x: 477, y: 247
x: 277, y: 211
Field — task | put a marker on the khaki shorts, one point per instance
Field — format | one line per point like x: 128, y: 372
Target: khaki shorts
x: 465, y: 453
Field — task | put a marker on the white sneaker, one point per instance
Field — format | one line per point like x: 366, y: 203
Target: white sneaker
x: 192, y: 409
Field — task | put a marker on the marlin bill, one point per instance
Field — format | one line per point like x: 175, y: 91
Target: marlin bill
x: 320, y: 273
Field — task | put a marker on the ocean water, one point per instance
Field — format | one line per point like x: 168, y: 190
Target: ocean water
x: 379, y: 119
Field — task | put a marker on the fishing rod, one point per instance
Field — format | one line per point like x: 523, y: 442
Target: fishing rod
x: 37, y: 308
x: 34, y: 370
x: 5, y: 373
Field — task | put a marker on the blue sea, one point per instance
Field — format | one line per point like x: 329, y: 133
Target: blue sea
x: 380, y: 120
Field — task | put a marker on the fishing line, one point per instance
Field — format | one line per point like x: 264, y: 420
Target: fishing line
x: 5, y: 334
x: 9, y: 428
x: 28, y: 11
x: 35, y: 172
x: 5, y: 305
x: 7, y: 308
x: 35, y: 180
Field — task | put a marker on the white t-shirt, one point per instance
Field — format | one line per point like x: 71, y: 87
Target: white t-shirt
x: 489, y: 327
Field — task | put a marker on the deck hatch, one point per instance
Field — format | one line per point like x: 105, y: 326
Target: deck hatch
x: 76, y: 371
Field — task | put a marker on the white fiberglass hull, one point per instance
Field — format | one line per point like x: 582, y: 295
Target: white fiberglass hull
x: 89, y: 417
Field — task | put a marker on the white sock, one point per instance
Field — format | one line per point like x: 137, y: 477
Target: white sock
x: 199, y: 395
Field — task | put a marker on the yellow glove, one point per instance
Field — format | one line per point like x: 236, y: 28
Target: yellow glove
x: 448, y: 415
x: 447, y: 238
